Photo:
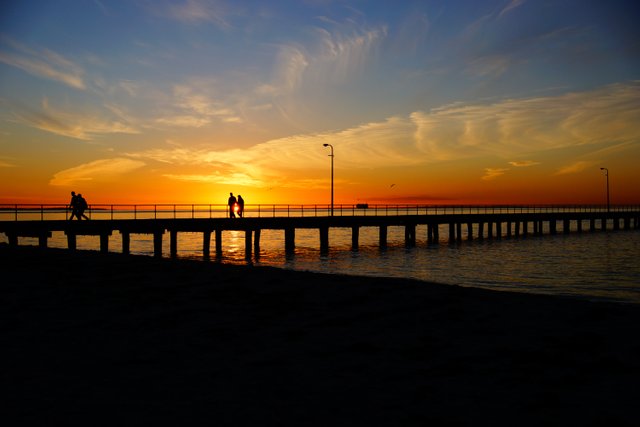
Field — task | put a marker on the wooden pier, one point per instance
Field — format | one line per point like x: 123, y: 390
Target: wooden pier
x: 458, y: 226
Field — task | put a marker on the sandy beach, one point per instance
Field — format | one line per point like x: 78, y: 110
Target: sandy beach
x: 94, y: 339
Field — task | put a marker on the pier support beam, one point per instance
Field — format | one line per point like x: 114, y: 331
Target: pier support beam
x: 490, y: 230
x: 579, y: 226
x: 256, y: 242
x: 459, y: 231
x: 126, y: 242
x: 42, y: 240
x: 469, y: 231
x: 248, y: 243
x: 525, y: 228
x: 355, y: 238
x: 324, y: 240
x: 481, y: 230
x: 517, y: 229
x: 383, y: 236
x: 104, y: 242
x: 498, y: 230
x: 552, y: 227
x: 157, y: 244
x: 206, y: 244
x: 173, y: 243
x: 71, y: 241
x: 218, y: 233
x: 289, y: 240
x: 410, y: 235
x: 452, y: 232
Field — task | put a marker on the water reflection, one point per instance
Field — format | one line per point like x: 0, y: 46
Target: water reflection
x: 599, y: 265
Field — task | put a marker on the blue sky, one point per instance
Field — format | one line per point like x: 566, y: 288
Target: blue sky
x: 92, y: 92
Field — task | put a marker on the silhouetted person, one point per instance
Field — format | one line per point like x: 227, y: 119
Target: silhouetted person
x: 73, y: 205
x: 240, y: 205
x: 82, y: 206
x: 232, y: 205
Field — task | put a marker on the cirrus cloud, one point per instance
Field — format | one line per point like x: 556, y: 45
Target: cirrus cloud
x: 608, y: 115
x: 43, y: 63
x: 97, y: 170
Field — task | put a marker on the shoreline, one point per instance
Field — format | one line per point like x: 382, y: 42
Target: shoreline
x: 173, y: 340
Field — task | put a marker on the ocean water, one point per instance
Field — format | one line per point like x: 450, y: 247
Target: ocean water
x: 600, y: 265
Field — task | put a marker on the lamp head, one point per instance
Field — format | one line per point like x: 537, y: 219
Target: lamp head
x: 325, y: 145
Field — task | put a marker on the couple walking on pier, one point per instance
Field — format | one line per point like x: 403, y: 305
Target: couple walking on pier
x: 235, y: 206
x: 78, y: 205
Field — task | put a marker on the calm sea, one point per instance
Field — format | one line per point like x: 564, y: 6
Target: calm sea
x: 599, y: 265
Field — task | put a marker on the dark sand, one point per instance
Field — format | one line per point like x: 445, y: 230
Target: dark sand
x: 91, y: 339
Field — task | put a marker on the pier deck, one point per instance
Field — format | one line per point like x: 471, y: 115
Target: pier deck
x: 481, y: 223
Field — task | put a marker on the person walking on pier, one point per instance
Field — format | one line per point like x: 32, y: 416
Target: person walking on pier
x: 240, y: 206
x: 82, y: 206
x: 73, y: 205
x: 232, y: 205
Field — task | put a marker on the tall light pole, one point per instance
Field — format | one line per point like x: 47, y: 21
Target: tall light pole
x: 331, y: 155
x: 606, y: 173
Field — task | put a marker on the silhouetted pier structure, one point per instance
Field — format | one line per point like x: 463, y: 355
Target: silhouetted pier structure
x: 458, y: 222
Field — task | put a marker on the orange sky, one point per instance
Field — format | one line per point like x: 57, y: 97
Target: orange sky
x: 462, y: 103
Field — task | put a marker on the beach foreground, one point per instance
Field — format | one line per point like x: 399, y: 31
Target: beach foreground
x: 91, y: 338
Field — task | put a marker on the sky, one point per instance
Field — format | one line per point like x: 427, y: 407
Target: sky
x: 430, y: 101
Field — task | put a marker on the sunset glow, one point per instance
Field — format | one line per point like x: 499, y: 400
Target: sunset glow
x: 442, y: 102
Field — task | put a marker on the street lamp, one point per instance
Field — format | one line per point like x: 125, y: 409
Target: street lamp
x: 606, y: 173
x: 331, y: 155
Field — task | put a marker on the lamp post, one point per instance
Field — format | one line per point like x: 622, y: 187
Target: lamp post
x: 331, y: 155
x: 606, y: 173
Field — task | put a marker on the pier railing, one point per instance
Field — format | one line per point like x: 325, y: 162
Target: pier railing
x: 41, y: 212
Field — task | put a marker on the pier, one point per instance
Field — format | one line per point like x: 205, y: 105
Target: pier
x: 439, y: 224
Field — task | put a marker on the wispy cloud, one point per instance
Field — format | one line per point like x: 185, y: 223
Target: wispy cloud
x: 493, y: 173
x: 493, y: 66
x: 41, y: 63
x: 334, y: 58
x: 6, y: 164
x: 506, y: 129
x: 98, y: 170
x: 198, y: 12
x: 74, y: 125
x: 518, y: 126
x: 575, y: 167
x: 511, y: 6
x: 523, y: 163
x: 234, y: 178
